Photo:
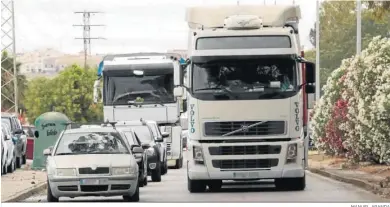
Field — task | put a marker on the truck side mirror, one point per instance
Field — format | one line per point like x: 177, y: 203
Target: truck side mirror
x: 310, y: 89
x: 177, y: 73
x: 310, y: 72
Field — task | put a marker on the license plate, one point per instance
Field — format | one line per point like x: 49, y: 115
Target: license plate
x: 245, y: 175
x: 93, y: 181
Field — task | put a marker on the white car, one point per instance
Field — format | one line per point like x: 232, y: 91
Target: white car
x: 8, y: 155
x: 95, y: 161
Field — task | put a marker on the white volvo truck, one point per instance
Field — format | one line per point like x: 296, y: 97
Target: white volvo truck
x: 246, y: 91
x: 141, y: 85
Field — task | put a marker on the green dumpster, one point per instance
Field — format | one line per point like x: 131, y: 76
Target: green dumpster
x: 48, y: 127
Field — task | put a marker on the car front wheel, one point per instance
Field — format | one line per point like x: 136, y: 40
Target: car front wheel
x: 134, y: 197
x: 156, y: 174
x: 50, y: 196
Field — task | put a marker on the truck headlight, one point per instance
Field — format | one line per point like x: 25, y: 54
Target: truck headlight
x: 291, y: 152
x: 65, y: 172
x: 123, y: 170
x: 198, y: 154
x: 150, y: 151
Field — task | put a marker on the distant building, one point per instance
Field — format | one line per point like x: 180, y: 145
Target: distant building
x: 49, y: 62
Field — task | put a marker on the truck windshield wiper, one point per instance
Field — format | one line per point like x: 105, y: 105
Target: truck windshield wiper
x: 224, y: 89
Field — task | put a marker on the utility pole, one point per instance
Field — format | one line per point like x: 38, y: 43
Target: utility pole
x: 358, y: 27
x: 317, y: 73
x: 86, y: 33
x: 8, y: 45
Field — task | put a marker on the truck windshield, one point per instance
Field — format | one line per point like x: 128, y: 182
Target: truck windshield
x: 249, y: 78
x: 119, y: 90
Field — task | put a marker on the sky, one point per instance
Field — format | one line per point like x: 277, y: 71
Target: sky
x: 131, y: 26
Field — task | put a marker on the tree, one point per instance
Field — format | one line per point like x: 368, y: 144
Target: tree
x: 6, y: 76
x: 71, y: 93
x: 379, y: 8
x: 338, y: 32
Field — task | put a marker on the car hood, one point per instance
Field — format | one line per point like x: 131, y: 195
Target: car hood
x: 98, y: 160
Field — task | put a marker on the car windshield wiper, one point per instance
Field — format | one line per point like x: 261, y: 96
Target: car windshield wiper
x: 67, y: 153
x: 224, y: 89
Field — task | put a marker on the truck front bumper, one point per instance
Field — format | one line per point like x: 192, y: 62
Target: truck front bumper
x: 247, y: 164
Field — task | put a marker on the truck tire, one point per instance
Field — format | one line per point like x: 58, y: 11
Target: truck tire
x: 177, y: 165
x: 50, y: 196
x: 156, y: 174
x: 295, y: 184
x: 181, y: 162
x: 196, y: 186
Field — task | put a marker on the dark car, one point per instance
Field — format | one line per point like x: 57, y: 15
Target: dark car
x: 141, y: 158
x: 154, y: 148
x: 21, y: 138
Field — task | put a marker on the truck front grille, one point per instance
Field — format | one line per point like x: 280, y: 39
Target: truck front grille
x: 245, y: 150
x: 168, y: 147
x: 245, y: 164
x: 242, y: 128
x: 99, y: 170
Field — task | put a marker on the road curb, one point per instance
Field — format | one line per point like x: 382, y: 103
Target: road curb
x: 26, y: 193
x: 374, y: 188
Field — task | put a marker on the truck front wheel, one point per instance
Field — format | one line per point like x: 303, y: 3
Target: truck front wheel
x: 196, y: 186
x: 295, y: 184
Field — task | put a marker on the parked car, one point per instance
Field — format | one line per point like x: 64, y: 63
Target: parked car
x: 155, y: 149
x: 29, y: 131
x: 158, y: 135
x: 19, y: 134
x: 95, y: 161
x: 141, y: 158
x: 8, y: 155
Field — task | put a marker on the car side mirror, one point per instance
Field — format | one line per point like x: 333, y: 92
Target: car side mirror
x: 137, y: 150
x: 36, y: 134
x: 47, y: 152
x: 6, y: 137
x: 184, y: 106
x: 165, y: 134
x: 145, y: 145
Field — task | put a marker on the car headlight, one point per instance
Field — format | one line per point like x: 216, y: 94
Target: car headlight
x: 150, y: 151
x: 198, y: 154
x: 65, y: 172
x: 291, y: 152
x: 123, y: 171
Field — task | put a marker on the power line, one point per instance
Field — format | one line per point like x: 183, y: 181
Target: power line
x: 86, y: 33
x: 8, y: 46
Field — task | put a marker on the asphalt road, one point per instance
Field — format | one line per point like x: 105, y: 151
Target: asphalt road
x: 173, y: 188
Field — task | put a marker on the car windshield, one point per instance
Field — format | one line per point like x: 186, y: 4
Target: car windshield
x: 143, y: 133
x: 129, y: 137
x: 242, y: 76
x: 91, y: 143
x: 148, y: 89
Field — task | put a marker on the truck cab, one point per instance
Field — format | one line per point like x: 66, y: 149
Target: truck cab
x: 140, y: 86
x: 246, y: 87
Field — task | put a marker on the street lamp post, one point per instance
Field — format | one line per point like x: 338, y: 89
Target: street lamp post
x: 318, y: 87
x: 358, y: 27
